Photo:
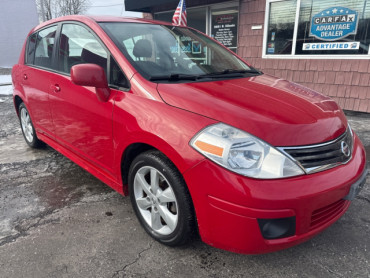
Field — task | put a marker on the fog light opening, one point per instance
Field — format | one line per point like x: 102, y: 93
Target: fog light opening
x: 277, y: 228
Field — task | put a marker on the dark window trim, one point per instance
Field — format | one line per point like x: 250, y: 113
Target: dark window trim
x: 26, y: 50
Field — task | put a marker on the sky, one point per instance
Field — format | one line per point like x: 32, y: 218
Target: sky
x: 109, y: 7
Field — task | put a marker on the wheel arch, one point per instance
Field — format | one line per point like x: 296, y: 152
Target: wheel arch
x: 129, y: 155
x: 182, y: 159
x: 17, y: 101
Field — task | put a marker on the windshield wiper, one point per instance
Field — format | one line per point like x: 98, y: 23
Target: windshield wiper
x: 218, y: 74
x: 173, y: 77
x: 229, y: 73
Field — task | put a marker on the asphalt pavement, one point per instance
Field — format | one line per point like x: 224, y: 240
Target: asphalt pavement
x: 57, y: 220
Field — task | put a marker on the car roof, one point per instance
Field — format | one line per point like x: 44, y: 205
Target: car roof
x: 94, y: 19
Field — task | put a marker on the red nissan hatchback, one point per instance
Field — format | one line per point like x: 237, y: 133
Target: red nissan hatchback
x: 199, y: 139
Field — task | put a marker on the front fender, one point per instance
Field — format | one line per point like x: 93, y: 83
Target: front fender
x: 152, y: 122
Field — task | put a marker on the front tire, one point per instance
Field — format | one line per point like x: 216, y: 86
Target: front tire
x: 28, y: 130
x: 160, y: 199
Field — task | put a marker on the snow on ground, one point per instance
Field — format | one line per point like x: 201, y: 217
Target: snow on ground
x: 6, y: 90
x: 5, y: 79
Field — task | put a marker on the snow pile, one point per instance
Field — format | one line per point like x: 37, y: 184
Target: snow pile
x: 6, y: 90
x: 5, y: 79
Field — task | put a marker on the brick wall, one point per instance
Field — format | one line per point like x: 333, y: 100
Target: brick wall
x: 346, y: 81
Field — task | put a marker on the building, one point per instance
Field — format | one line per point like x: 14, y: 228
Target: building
x: 321, y: 44
x: 17, y: 18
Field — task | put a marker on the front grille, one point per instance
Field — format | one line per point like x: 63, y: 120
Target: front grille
x: 319, y: 157
x: 323, y: 215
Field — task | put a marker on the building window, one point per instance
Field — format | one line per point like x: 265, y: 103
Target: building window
x: 317, y: 28
x: 196, y: 17
x: 219, y: 21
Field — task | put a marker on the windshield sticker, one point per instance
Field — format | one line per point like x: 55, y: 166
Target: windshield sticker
x: 334, y: 23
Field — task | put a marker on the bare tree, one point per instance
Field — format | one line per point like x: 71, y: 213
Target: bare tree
x: 49, y: 9
x: 68, y: 7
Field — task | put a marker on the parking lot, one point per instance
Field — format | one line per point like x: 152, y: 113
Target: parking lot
x: 57, y: 220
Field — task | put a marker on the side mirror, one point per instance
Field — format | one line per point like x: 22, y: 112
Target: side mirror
x: 91, y: 75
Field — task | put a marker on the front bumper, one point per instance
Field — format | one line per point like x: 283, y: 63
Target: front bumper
x: 228, y: 205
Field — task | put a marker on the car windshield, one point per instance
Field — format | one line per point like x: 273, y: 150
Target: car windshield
x: 163, y: 52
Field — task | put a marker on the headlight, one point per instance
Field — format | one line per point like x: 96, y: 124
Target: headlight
x: 243, y: 153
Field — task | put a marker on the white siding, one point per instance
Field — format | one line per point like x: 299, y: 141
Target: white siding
x: 17, y: 18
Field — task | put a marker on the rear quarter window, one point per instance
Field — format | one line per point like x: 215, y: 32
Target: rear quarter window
x: 31, y: 46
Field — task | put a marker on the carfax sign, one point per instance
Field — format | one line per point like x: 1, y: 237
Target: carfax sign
x: 334, y: 23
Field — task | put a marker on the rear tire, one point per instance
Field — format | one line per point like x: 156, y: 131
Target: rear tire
x: 160, y: 199
x: 28, y: 130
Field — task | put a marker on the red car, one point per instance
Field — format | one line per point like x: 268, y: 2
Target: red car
x: 200, y: 140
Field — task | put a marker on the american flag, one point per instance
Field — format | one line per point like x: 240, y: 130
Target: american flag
x: 179, y: 17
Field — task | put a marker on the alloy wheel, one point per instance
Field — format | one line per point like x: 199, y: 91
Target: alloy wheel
x: 26, y: 125
x: 156, y: 200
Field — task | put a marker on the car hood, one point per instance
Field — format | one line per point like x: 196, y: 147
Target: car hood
x: 277, y: 111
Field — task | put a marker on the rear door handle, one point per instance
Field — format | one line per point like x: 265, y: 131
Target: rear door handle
x: 55, y: 88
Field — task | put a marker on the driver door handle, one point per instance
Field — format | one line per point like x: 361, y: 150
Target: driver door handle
x: 55, y: 88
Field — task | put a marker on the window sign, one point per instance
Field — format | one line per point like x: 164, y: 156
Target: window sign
x: 196, y: 47
x: 334, y: 23
x: 225, y: 28
x: 185, y: 44
x: 186, y: 47
x: 331, y: 46
x: 330, y: 27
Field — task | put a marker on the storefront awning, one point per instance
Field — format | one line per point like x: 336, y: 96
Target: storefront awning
x: 145, y: 6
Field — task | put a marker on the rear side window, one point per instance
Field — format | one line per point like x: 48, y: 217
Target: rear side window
x: 44, y: 41
x: 30, y: 56
x: 78, y: 45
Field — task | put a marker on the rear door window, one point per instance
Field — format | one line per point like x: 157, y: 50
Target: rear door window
x: 44, y: 41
